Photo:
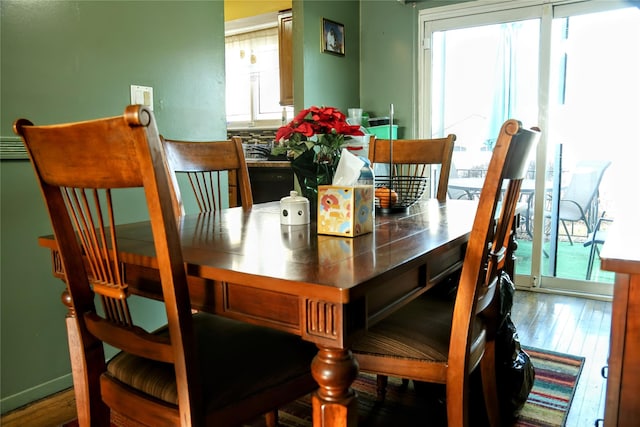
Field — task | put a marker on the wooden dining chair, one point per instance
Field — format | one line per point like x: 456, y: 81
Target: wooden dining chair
x: 438, y: 340
x: 206, y: 165
x: 412, y: 160
x: 198, y: 369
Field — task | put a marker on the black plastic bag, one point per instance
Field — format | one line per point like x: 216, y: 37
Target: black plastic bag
x: 514, y: 370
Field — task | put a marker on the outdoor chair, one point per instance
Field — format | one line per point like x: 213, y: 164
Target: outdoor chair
x: 206, y: 164
x: 595, y: 239
x: 439, y: 340
x: 412, y: 160
x: 579, y: 201
x: 199, y: 369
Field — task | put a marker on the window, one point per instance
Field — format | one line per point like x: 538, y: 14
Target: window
x: 252, y: 79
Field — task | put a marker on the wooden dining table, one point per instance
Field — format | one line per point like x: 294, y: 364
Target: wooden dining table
x: 328, y: 290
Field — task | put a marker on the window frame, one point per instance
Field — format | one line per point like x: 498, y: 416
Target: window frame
x: 243, y: 26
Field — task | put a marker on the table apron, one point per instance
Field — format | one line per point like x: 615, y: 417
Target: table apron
x: 326, y: 323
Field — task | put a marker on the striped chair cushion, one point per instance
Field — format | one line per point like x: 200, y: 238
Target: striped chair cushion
x: 421, y: 330
x: 237, y: 360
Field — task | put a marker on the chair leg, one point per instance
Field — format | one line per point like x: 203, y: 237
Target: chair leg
x: 489, y: 386
x: 457, y: 398
x: 381, y: 386
x: 271, y: 418
x: 592, y: 258
x: 566, y: 230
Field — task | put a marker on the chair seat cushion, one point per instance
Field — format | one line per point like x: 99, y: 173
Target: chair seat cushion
x: 236, y: 361
x: 420, y: 331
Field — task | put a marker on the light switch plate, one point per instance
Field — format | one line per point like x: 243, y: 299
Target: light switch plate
x: 142, y: 95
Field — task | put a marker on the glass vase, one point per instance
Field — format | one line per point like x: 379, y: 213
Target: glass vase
x: 310, y: 174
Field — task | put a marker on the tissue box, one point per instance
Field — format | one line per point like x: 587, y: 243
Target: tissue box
x: 345, y: 211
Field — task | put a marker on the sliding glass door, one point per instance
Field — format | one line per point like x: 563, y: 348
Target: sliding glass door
x: 594, y: 102
x: 570, y: 69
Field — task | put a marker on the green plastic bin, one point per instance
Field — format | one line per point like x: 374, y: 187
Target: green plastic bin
x: 382, y: 131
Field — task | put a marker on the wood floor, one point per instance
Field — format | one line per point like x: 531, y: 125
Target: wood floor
x: 560, y: 323
x: 571, y: 325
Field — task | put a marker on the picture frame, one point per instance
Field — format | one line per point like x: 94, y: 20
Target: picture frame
x: 332, y: 40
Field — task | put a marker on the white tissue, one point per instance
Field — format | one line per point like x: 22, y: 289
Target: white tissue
x: 348, y: 170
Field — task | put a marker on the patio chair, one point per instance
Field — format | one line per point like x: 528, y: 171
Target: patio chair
x: 579, y: 201
x: 437, y: 340
x: 198, y: 369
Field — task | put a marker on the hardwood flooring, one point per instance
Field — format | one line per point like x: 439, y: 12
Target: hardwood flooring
x: 565, y: 324
x: 572, y: 325
x: 52, y: 411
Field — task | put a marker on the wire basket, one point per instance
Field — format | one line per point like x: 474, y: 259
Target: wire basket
x: 409, y: 190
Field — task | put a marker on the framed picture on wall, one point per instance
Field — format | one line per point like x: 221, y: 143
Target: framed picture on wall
x: 332, y: 37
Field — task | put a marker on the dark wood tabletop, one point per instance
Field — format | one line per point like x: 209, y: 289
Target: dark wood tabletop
x: 243, y: 264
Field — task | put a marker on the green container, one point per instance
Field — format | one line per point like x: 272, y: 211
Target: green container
x: 382, y: 131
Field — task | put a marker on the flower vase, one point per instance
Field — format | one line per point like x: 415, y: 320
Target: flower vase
x: 311, y: 174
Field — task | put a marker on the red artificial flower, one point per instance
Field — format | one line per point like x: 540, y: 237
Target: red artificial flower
x: 306, y: 129
x: 328, y: 123
x: 284, y: 132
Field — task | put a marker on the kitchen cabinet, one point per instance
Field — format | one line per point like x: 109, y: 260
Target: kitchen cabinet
x: 285, y: 46
x: 621, y: 254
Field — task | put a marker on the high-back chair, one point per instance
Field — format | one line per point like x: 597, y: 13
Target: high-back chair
x: 199, y: 369
x: 579, y: 201
x: 440, y: 341
x: 412, y: 159
x: 205, y: 164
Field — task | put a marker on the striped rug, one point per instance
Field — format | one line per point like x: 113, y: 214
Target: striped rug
x: 556, y: 380
x: 407, y: 406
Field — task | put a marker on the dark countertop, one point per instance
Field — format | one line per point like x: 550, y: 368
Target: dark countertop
x: 262, y: 163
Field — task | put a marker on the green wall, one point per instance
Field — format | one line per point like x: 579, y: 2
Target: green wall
x: 323, y: 78
x: 69, y: 61
x: 74, y: 60
x: 389, y: 62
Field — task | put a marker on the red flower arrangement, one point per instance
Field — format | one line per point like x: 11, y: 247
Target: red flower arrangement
x: 313, y: 139
x: 318, y: 129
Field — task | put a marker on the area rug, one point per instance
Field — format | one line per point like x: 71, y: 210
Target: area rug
x: 408, y: 406
x: 553, y: 389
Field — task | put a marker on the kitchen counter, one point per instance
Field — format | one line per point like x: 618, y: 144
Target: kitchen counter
x: 262, y: 163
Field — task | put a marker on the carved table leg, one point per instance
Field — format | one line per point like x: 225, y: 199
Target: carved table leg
x: 335, y: 404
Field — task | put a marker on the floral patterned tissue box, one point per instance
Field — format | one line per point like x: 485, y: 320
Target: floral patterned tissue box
x: 345, y: 211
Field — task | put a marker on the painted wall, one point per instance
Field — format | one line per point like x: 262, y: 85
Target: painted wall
x: 323, y: 78
x: 74, y: 60
x: 388, y: 62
